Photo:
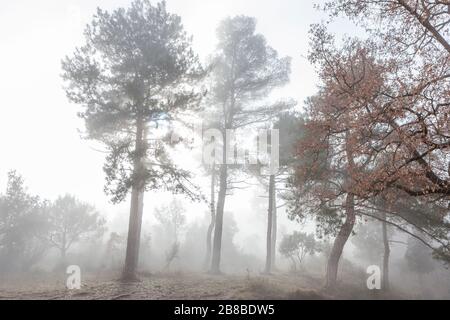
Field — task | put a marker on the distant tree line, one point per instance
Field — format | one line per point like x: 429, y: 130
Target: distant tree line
x: 31, y: 226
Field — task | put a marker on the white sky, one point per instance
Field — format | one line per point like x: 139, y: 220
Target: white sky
x: 39, y: 128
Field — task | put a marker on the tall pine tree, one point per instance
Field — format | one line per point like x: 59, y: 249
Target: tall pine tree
x: 136, y: 69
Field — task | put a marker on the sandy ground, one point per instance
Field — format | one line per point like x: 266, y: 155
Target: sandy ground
x: 180, y: 286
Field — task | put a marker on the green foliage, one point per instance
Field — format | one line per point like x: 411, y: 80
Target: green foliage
x: 136, y: 69
x: 311, y: 167
x: 245, y: 70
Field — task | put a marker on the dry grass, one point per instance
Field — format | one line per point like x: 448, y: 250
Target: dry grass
x: 184, y: 286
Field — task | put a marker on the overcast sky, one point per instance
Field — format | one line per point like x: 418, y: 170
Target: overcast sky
x: 39, y: 134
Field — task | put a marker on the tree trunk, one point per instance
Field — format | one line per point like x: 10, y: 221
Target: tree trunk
x: 217, y: 245
x: 136, y: 208
x: 268, y: 268
x: 274, y: 228
x: 213, y: 218
x: 387, y: 251
x: 63, y: 256
x: 294, y: 263
x: 63, y: 251
x: 64, y: 246
x: 134, y: 235
x: 63, y: 262
x: 339, y: 242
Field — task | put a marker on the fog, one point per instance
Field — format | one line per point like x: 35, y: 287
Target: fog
x: 102, y: 169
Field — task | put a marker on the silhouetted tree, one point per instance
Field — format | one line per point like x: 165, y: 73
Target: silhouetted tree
x: 173, y: 220
x: 297, y: 246
x: 113, y: 251
x: 72, y: 221
x: 23, y: 226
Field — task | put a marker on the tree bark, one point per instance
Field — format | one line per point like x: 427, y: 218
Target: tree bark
x: 136, y: 208
x: 63, y: 262
x: 213, y: 218
x: 294, y: 264
x: 274, y: 228
x: 387, y: 251
x: 63, y: 248
x: 340, y: 241
x: 217, y: 245
x: 268, y: 268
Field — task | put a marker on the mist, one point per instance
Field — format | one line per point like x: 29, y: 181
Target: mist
x: 224, y: 150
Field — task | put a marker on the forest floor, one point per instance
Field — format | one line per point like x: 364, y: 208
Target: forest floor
x: 182, y: 286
